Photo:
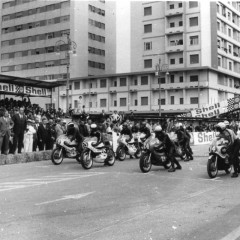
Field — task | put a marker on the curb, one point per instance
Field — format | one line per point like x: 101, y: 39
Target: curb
x: 25, y: 157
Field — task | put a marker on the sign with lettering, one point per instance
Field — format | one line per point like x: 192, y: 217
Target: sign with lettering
x: 28, y: 90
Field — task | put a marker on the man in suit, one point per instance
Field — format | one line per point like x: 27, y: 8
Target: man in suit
x: 43, y: 135
x: 20, y: 126
x: 6, y: 124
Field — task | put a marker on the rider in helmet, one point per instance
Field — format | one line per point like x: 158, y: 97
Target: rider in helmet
x: 145, y: 130
x: 126, y: 131
x: 169, y: 145
x: 233, y: 146
x: 96, y: 133
x: 74, y: 134
x: 184, y: 141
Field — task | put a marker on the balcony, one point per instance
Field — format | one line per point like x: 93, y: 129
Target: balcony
x: 178, y: 85
x: 174, y: 30
x: 174, y: 12
x: 177, y: 47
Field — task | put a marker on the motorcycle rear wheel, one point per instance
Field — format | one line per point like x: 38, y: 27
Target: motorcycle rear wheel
x: 111, y: 158
x: 211, y: 170
x: 57, y: 156
x: 121, y: 153
x: 145, y: 163
x: 86, y: 160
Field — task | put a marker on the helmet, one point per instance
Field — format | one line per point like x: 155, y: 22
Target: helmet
x: 220, y: 127
x: 180, y: 124
x: 158, y: 129
x: 93, y: 126
x: 70, y: 125
x: 226, y: 123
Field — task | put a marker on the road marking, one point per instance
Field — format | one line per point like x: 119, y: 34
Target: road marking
x: 75, y: 197
x: 235, y: 234
x: 32, y: 182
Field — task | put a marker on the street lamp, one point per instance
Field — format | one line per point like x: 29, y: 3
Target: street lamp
x: 159, y: 69
x: 71, y: 48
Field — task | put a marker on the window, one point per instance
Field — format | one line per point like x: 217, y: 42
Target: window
x: 147, y: 46
x: 181, y: 100
x: 193, y: 4
x: 144, y: 80
x: 115, y: 83
x: 6, y: 18
x: 50, y: 49
x: 172, y: 100
x: 18, y: 28
x: 123, y: 82
x: 135, y: 82
x: 229, y: 32
x: 147, y: 28
x: 194, y: 59
x: 193, y: 21
x: 171, y: 6
x: 172, y: 61
x: 172, y: 78
x: 148, y: 63
x: 193, y: 40
x: 123, y: 102
x: 180, y: 23
x: 194, y: 100
x: 144, y: 101
x: 163, y: 80
x: 180, y: 60
x: 163, y: 101
x: 115, y: 103
x: 103, y: 83
x: 172, y: 25
x: 194, y: 78
x: 219, y: 62
x: 147, y: 11
x: 180, y: 5
x: 76, y: 85
x: 181, y: 79
x: 230, y: 65
x: 103, y: 102
x: 49, y: 64
x: 218, y: 26
x: 5, y: 56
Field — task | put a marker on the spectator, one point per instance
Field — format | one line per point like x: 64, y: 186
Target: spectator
x: 6, y: 124
x: 20, y: 125
x: 43, y: 135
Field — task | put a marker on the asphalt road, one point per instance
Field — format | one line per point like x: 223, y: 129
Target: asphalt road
x: 42, y: 201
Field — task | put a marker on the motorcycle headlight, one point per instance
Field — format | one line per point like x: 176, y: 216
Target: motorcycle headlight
x: 223, y: 150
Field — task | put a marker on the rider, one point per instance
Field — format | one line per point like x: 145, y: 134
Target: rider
x: 126, y: 131
x: 184, y: 141
x: 145, y: 130
x: 183, y: 128
x: 233, y: 145
x: 74, y: 134
x: 95, y: 133
x: 169, y: 145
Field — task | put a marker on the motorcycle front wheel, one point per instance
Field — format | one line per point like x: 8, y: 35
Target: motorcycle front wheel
x: 145, y: 163
x: 212, y: 169
x: 111, y: 158
x: 57, y: 156
x: 121, y: 153
x: 86, y: 159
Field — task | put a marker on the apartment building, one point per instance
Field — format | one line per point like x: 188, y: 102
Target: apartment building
x: 34, y: 40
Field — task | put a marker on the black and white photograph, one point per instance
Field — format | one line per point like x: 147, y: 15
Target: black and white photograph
x: 119, y: 120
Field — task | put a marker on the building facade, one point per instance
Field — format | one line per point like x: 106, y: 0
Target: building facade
x: 34, y: 39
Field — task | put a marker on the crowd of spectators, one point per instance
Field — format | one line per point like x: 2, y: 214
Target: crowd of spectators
x: 27, y: 127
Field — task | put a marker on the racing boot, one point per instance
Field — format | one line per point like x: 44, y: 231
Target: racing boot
x: 172, y: 168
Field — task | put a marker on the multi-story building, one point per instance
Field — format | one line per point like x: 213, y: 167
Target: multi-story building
x: 31, y: 31
x: 196, y: 43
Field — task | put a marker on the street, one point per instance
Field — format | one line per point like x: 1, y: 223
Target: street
x: 42, y: 201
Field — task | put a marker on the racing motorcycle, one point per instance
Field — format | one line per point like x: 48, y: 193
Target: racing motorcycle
x: 154, y: 153
x: 125, y: 148
x: 64, y: 149
x: 103, y: 153
x: 218, y: 157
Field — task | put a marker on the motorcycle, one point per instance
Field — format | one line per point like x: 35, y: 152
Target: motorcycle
x: 218, y: 158
x: 125, y: 148
x: 64, y: 149
x: 154, y: 153
x: 103, y: 153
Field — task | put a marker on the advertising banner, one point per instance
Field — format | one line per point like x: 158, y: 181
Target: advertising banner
x: 200, y: 138
x: 28, y: 90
